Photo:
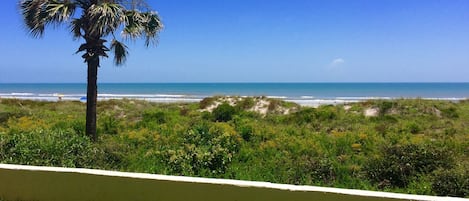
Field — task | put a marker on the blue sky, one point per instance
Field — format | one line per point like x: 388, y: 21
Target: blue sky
x: 263, y: 41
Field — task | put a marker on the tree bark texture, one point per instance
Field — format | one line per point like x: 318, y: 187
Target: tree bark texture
x: 92, y: 98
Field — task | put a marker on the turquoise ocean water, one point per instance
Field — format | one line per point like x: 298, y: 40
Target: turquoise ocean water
x: 303, y: 93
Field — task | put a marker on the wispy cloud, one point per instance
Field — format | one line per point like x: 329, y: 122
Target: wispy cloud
x: 337, y: 62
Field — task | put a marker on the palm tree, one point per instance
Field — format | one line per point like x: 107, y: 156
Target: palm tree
x: 98, y: 21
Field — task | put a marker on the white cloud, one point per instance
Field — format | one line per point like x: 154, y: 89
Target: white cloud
x: 337, y: 62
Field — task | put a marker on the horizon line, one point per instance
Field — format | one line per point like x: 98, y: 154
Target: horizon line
x: 253, y: 82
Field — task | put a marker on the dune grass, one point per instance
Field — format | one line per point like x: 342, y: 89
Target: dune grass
x: 411, y: 146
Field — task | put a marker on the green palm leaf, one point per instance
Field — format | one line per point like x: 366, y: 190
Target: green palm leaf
x: 106, y: 18
x: 139, y: 24
x: 120, y: 52
x: 34, y: 15
x: 39, y: 13
x: 60, y: 11
x: 152, y: 28
x: 76, y: 25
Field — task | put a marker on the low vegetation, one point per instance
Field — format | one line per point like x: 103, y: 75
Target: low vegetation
x: 409, y: 146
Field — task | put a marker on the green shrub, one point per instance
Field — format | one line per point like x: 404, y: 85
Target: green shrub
x: 4, y: 116
x: 114, y: 154
x: 202, y: 128
x: 450, y: 112
x: 244, y: 127
x: 246, y: 103
x: 399, y: 164
x: 450, y: 131
x: 110, y: 124
x: 313, y: 170
x: 322, y: 170
x: 384, y: 106
x: 246, y: 132
x: 310, y: 115
x: 184, y: 111
x: 202, y: 153
x: 306, y: 115
x: 78, y: 126
x: 387, y: 119
x: 224, y: 112
x: 326, y: 113
x: 49, y: 148
x: 414, y: 127
x: 153, y: 119
x: 205, y: 115
x: 451, y: 183
x: 158, y: 117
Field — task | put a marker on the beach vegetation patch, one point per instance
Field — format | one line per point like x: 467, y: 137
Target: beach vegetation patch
x: 413, y: 150
x: 399, y: 164
x: 48, y: 148
x: 224, y: 112
x: 452, y: 182
x: 450, y: 112
x: 110, y: 124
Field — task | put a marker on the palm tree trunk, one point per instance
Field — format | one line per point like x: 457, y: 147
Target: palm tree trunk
x: 92, y: 98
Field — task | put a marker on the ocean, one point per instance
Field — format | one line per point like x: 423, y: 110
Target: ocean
x: 302, y: 93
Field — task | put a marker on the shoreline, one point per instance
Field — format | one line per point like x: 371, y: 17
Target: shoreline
x: 165, y: 98
x: 305, y: 94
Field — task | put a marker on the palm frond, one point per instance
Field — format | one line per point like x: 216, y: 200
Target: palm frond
x: 152, y: 28
x: 120, y: 52
x: 76, y: 25
x: 134, y: 22
x: 39, y: 13
x: 93, y: 49
x: 34, y: 15
x: 60, y: 11
x: 106, y: 18
x: 139, y: 24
